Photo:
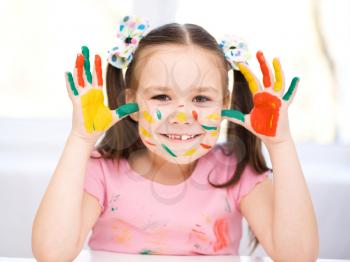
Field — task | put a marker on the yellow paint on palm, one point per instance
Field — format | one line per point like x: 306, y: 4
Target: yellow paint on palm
x: 214, y: 133
x: 97, y: 116
x: 148, y: 117
x: 253, y: 84
x: 145, y: 132
x: 278, y: 75
x: 190, y: 152
x: 213, y: 116
x: 181, y: 116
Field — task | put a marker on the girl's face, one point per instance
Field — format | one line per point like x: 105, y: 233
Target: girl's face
x: 180, y: 98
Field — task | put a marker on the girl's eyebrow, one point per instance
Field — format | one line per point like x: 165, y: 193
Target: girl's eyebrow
x: 156, y: 88
x: 165, y: 88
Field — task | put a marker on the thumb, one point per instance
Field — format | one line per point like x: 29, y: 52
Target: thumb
x: 124, y: 111
x: 234, y: 116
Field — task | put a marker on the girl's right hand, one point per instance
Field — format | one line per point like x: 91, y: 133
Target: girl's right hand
x: 91, y: 117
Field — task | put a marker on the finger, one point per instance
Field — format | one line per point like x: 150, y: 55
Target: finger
x: 252, y: 80
x: 125, y: 110
x: 234, y: 116
x: 279, y: 84
x: 79, y: 65
x: 289, y: 96
x: 86, y: 53
x: 70, y: 84
x: 265, y: 69
x: 98, y: 71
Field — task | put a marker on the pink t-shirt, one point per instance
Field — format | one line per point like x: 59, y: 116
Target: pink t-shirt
x: 191, y: 218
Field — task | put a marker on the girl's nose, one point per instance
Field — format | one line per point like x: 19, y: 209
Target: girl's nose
x: 181, y: 116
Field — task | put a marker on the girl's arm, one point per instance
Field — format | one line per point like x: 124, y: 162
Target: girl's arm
x: 59, y: 228
x: 294, y: 227
x: 282, y: 215
x: 57, y: 223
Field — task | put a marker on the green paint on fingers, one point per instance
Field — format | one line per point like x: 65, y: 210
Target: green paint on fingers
x: 168, y: 150
x: 127, y: 109
x: 209, y: 127
x: 291, y: 89
x: 233, y: 114
x: 86, y: 54
x: 71, y: 83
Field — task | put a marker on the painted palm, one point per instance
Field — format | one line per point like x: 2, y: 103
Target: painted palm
x: 269, y: 117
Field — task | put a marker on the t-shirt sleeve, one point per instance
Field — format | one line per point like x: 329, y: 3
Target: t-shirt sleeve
x: 94, y: 180
x: 249, y: 179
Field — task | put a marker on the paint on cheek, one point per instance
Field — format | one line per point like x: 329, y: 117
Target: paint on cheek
x: 214, y: 133
x: 264, y: 116
x: 209, y: 127
x: 145, y: 132
x: 181, y: 116
x: 190, y: 152
x: 159, y: 114
x: 168, y: 150
x: 149, y: 143
x: 213, y: 116
x: 148, y: 117
x: 205, y: 146
x: 195, y: 115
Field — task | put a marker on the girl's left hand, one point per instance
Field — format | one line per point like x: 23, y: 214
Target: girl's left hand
x: 268, y: 119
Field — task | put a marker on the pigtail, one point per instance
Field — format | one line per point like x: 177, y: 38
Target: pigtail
x: 123, y: 138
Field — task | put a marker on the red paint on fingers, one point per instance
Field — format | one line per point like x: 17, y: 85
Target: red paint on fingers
x: 79, y: 65
x: 98, y: 69
x: 264, y: 69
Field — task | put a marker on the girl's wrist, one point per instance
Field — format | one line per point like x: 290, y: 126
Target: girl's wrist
x: 82, y: 140
x: 280, y: 144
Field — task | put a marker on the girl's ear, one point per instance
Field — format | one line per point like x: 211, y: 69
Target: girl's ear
x: 129, y: 98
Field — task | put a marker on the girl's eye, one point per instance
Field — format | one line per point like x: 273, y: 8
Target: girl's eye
x: 161, y: 97
x: 201, y: 99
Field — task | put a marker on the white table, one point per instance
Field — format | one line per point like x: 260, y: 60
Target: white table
x: 98, y: 256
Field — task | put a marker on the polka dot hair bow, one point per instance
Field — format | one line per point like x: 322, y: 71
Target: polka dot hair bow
x: 130, y: 31
x: 235, y: 50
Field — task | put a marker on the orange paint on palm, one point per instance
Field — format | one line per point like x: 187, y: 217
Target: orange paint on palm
x: 264, y: 69
x: 264, y: 115
x: 98, y: 69
x: 221, y: 233
x: 79, y: 65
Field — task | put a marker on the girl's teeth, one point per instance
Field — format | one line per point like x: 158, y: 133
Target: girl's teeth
x: 184, y: 137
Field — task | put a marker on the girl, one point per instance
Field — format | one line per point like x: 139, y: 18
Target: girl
x: 157, y: 183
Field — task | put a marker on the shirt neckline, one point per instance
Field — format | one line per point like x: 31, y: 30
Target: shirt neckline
x: 181, y: 184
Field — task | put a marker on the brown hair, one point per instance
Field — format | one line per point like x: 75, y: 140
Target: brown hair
x: 123, y: 138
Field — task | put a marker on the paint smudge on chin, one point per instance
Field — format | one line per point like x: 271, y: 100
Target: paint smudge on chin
x: 190, y: 152
x: 168, y: 150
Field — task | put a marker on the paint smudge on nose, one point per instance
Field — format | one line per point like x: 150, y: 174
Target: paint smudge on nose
x: 168, y: 150
x: 195, y: 115
x: 213, y: 116
x: 221, y: 233
x: 148, y: 117
x: 205, y: 146
x: 159, y: 114
x: 181, y: 116
x: 190, y: 152
x: 145, y: 132
x: 209, y: 127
